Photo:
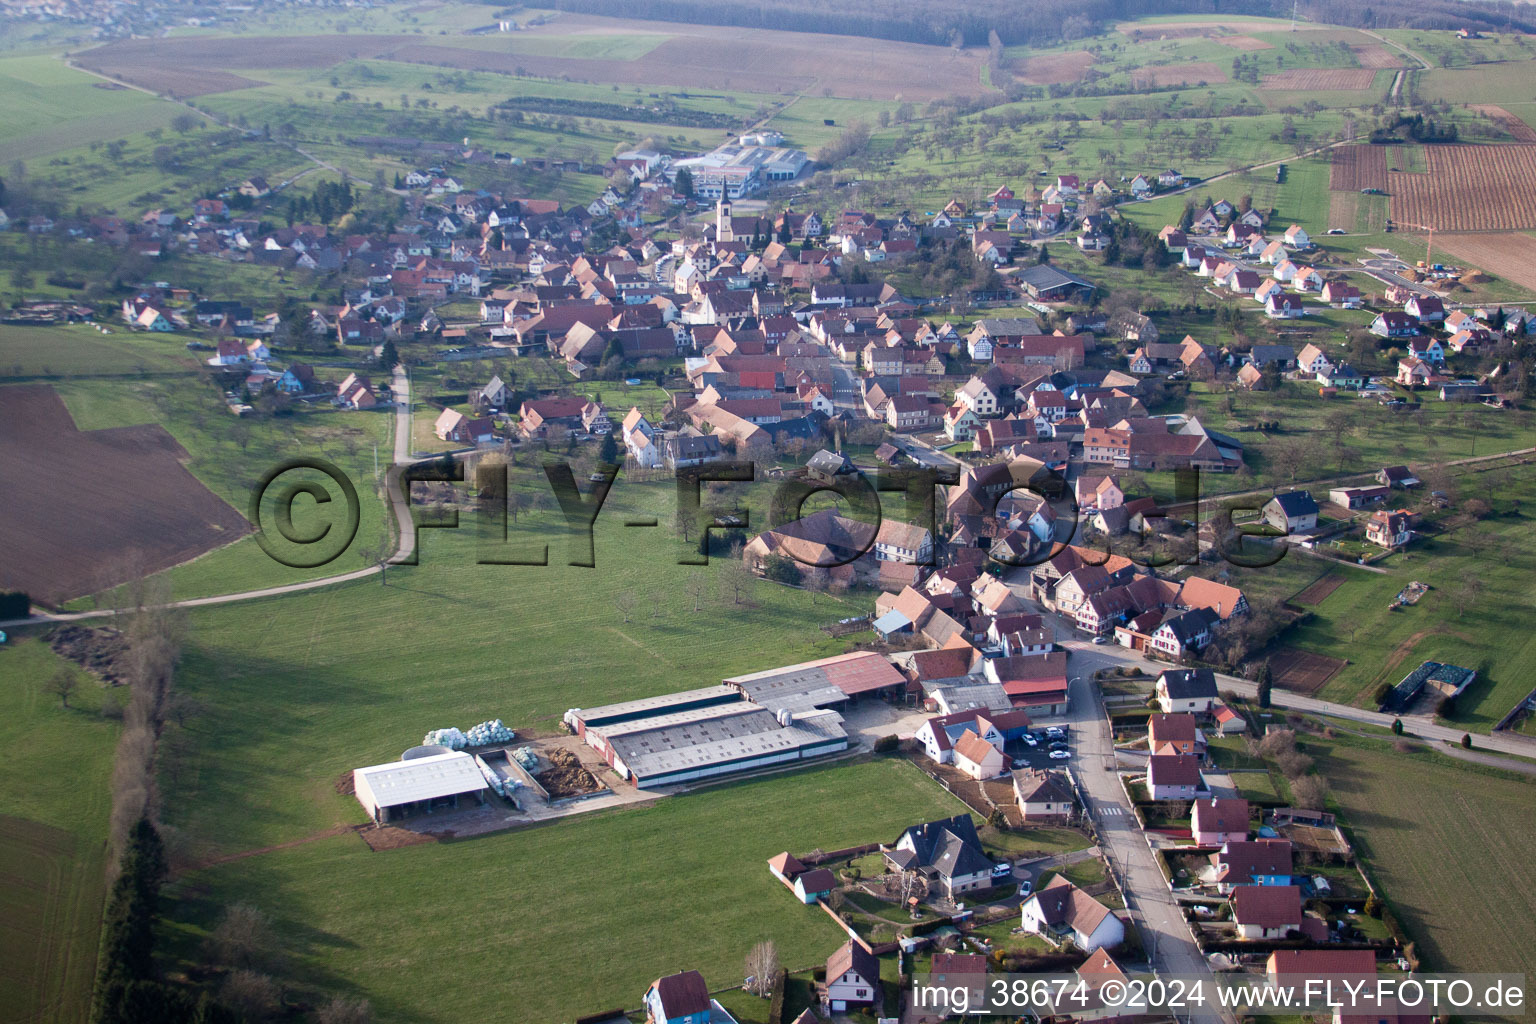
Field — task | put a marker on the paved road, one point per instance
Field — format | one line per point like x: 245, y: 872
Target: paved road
x: 1087, y: 657
x: 1165, y: 934
x: 923, y: 453
x: 1325, y: 482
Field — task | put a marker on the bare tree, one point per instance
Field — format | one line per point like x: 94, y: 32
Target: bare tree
x: 1467, y: 593
x: 376, y: 554
x: 1308, y: 791
x: 243, y: 938
x: 1289, y: 456
x: 63, y: 684
x: 694, y: 588
x: 762, y: 968
x: 344, y: 1011
x: 625, y: 601
x: 253, y: 997
x: 913, y: 887
x: 735, y: 581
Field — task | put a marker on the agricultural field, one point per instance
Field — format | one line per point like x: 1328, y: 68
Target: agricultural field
x: 580, y: 946
x: 1447, y: 841
x: 481, y: 641
x: 1468, y: 188
x: 132, y: 385
x: 125, y: 490
x: 1470, y: 616
x: 1320, y: 80
x: 54, y: 803
x: 670, y: 55
x: 50, y: 106
x: 1509, y: 254
x: 1356, y: 167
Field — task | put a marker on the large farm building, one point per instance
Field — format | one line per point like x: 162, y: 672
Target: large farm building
x: 753, y: 721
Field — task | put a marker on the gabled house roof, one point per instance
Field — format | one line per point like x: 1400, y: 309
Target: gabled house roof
x: 1239, y: 861
x: 1188, y: 683
x: 1061, y: 902
x: 1036, y: 786
x: 854, y: 956
x: 1229, y: 814
x: 1176, y: 728
x: 1267, y: 906
x: 682, y: 994
x: 950, y: 846
x: 1296, y: 503
x: 973, y: 748
x: 1173, y: 770
x: 786, y: 864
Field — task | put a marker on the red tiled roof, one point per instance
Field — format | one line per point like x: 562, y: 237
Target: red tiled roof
x: 1267, y: 906
x: 1173, y: 770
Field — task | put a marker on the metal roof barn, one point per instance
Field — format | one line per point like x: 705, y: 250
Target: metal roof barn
x: 402, y: 786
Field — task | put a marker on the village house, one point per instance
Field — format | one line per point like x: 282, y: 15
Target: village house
x: 938, y: 734
x: 1393, y: 324
x: 1044, y: 796
x: 1175, y: 734
x: 1262, y: 862
x: 355, y: 393
x: 853, y: 977
x: 902, y: 542
x: 947, y: 852
x: 1389, y: 529
x: 1397, y: 477
x: 1219, y: 820
x: 678, y: 999
x: 1174, y: 777
x: 1191, y: 690
x: 1292, y: 512
x: 1266, y: 912
x: 452, y: 425
x: 978, y: 758
x: 1060, y: 911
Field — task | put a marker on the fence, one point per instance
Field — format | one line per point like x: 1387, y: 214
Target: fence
x: 1527, y: 701
x: 816, y: 857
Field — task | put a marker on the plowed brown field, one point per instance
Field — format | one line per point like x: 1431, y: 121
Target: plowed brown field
x: 1192, y: 73
x: 1320, y: 80
x: 78, y: 501
x: 1469, y: 188
x: 1357, y: 167
x: 1507, y: 254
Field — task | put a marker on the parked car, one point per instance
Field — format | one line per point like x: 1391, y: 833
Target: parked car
x: 1100, y: 640
x: 1055, y: 731
x: 1030, y: 739
x: 1002, y: 870
x: 1026, y: 887
x: 1060, y: 755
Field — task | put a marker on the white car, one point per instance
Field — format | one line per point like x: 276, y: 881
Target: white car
x: 1060, y: 755
x: 1100, y: 640
x: 1030, y: 739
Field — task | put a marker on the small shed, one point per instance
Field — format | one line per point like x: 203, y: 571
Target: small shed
x: 400, y: 788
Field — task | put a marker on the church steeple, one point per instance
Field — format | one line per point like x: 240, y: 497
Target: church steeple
x: 723, y: 232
